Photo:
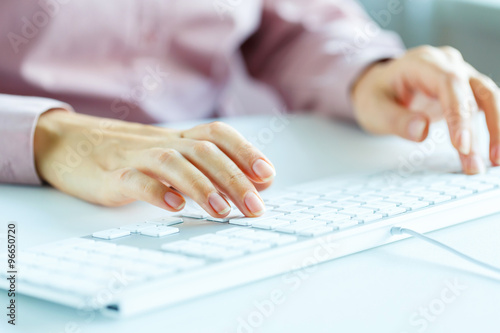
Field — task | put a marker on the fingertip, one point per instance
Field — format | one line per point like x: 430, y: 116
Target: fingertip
x: 495, y: 155
x: 464, y: 141
x: 175, y: 201
x: 473, y: 165
x: 254, y: 204
x: 219, y: 204
x: 263, y: 170
x: 418, y: 128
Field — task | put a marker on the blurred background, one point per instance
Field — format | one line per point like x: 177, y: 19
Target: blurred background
x: 472, y: 26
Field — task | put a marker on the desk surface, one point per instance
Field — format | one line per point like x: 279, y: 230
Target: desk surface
x: 403, y: 287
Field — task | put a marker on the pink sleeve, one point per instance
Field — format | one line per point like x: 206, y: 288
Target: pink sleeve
x: 18, y: 118
x: 312, y: 51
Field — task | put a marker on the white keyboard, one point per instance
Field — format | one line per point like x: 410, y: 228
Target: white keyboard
x: 138, y: 267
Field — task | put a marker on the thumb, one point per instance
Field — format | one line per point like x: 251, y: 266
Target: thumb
x: 407, y: 124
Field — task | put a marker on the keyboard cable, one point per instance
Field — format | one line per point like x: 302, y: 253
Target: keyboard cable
x: 416, y: 234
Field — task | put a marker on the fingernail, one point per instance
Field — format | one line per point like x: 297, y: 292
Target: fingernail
x: 464, y: 144
x: 254, y: 203
x: 263, y: 170
x: 416, y: 128
x: 174, y: 200
x: 218, y: 203
x: 475, y: 165
x: 495, y: 154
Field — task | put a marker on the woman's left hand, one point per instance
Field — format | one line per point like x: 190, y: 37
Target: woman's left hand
x: 383, y: 95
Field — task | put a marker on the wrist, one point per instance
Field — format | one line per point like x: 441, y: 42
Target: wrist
x: 47, y: 134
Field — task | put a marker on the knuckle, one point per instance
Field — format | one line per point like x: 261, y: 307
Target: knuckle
x: 234, y: 179
x: 166, y: 155
x: 453, y: 52
x: 425, y: 50
x: 217, y: 127
x: 245, y: 150
x: 200, y: 185
x: 148, y: 189
x: 204, y: 147
x: 124, y: 175
x: 449, y: 77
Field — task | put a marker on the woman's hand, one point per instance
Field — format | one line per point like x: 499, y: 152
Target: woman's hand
x: 112, y: 162
x: 383, y: 98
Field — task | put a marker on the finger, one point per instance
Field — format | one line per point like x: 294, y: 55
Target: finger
x: 224, y: 173
x: 441, y: 78
x: 248, y: 158
x: 169, y: 166
x: 473, y: 163
x: 400, y: 121
x: 486, y: 93
x: 131, y: 184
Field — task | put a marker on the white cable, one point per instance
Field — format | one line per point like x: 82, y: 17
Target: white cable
x: 400, y: 231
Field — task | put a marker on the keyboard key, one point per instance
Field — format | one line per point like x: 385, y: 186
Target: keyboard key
x: 247, y: 221
x: 159, y: 231
x: 438, y: 199
x: 226, y: 254
x: 314, y: 203
x: 166, y: 221
x: 234, y: 232
x: 295, y: 227
x: 318, y: 211
x: 261, y: 236
x: 379, y: 205
x: 401, y: 199
x: 283, y: 239
x: 300, y: 197
x: 344, y: 224
x: 194, y: 212
x: 415, y: 205
x: 281, y: 202
x: 332, y: 218
x: 111, y: 233
x: 136, y: 227
x: 461, y: 193
x: 344, y: 204
x: 392, y: 211
x: 315, y: 231
x: 423, y: 194
x: 356, y: 211
x: 270, y: 223
x: 255, y: 246
x: 295, y: 217
x: 367, y: 199
x: 235, y: 213
x: 209, y: 238
x: 290, y: 209
x: 369, y: 218
x: 177, y: 246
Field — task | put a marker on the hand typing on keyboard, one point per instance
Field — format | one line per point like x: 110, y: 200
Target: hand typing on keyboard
x: 123, y: 162
x: 389, y: 99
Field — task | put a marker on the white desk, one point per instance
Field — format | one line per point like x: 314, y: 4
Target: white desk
x: 374, y: 291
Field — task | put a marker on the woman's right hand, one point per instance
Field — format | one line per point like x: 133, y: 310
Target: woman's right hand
x: 113, y: 162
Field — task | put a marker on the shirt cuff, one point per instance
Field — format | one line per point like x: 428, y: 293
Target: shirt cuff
x: 19, y: 116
